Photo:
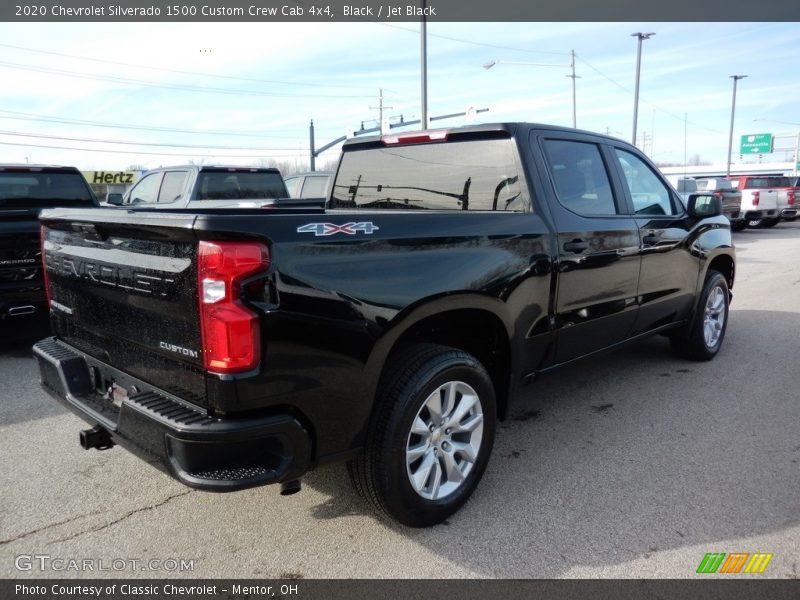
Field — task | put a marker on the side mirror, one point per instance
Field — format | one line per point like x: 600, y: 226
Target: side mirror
x: 704, y: 205
x: 115, y: 199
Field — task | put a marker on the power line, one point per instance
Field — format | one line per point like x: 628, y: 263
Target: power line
x: 4, y: 114
x: 155, y: 144
x: 184, y: 87
x: 474, y: 43
x: 655, y: 106
x: 181, y: 72
x: 135, y: 152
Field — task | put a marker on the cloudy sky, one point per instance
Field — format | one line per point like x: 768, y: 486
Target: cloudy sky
x: 109, y: 95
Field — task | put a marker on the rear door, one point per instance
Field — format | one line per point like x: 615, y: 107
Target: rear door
x: 598, y: 248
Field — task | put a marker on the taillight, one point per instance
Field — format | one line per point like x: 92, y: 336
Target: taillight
x: 44, y: 266
x: 719, y: 195
x: 230, y: 331
x: 755, y: 198
x: 791, y: 197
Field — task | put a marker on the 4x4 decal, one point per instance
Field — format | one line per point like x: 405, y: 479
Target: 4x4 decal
x: 320, y: 229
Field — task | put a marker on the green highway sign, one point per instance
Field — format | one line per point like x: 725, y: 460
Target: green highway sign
x: 756, y: 143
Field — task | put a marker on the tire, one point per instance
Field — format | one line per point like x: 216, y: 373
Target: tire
x: 417, y: 466
x: 738, y: 225
x: 771, y: 222
x: 702, y: 338
x: 756, y: 223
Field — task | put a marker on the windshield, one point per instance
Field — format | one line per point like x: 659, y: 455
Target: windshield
x: 42, y: 189
x: 480, y: 174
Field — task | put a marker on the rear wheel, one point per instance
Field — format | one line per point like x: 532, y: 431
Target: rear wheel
x: 755, y: 223
x: 431, y: 436
x: 702, y: 338
x: 771, y: 222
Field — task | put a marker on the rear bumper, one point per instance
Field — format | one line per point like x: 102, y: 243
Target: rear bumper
x: 216, y: 454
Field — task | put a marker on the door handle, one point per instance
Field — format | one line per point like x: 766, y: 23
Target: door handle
x: 576, y: 246
x: 651, y: 238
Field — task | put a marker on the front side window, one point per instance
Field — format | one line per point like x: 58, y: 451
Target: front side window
x: 481, y: 174
x: 650, y: 195
x: 293, y: 186
x: 146, y: 190
x: 580, y: 177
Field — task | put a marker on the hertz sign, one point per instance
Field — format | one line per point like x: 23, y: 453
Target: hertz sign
x: 109, y: 177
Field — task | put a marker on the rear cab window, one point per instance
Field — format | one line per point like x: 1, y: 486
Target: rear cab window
x: 475, y: 174
x: 24, y: 188
x: 227, y: 184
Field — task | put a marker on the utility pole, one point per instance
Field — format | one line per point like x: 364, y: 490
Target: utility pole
x: 311, y: 141
x: 736, y: 79
x: 573, y: 77
x: 380, y: 109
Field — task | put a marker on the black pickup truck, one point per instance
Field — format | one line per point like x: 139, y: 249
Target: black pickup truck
x: 450, y: 267
x: 24, y: 191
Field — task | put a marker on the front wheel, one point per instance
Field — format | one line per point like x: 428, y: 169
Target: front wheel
x: 702, y: 338
x: 431, y: 436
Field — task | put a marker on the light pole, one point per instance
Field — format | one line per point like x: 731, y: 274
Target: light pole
x: 640, y: 36
x: 736, y: 79
x: 492, y: 63
x: 423, y: 57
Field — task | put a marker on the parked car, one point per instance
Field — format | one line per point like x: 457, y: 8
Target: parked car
x: 731, y: 199
x: 204, y: 187
x: 243, y: 347
x: 314, y: 184
x: 24, y: 191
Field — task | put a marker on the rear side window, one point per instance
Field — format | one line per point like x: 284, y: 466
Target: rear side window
x: 580, y: 177
x: 480, y: 174
x: 172, y: 186
x: 316, y: 186
x: 650, y: 195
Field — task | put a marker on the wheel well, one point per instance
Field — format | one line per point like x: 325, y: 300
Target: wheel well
x: 724, y: 264
x: 478, y: 332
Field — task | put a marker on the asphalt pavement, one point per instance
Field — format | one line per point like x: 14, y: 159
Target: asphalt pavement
x: 632, y: 464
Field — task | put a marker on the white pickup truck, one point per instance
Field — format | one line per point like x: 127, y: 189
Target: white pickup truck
x: 194, y: 186
x: 759, y: 200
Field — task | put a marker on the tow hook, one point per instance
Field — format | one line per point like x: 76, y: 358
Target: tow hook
x: 97, y: 437
x: 290, y: 487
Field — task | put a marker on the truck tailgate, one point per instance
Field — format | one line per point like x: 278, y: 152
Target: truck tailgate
x: 123, y: 289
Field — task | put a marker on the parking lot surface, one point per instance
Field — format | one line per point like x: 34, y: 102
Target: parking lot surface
x: 632, y: 464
